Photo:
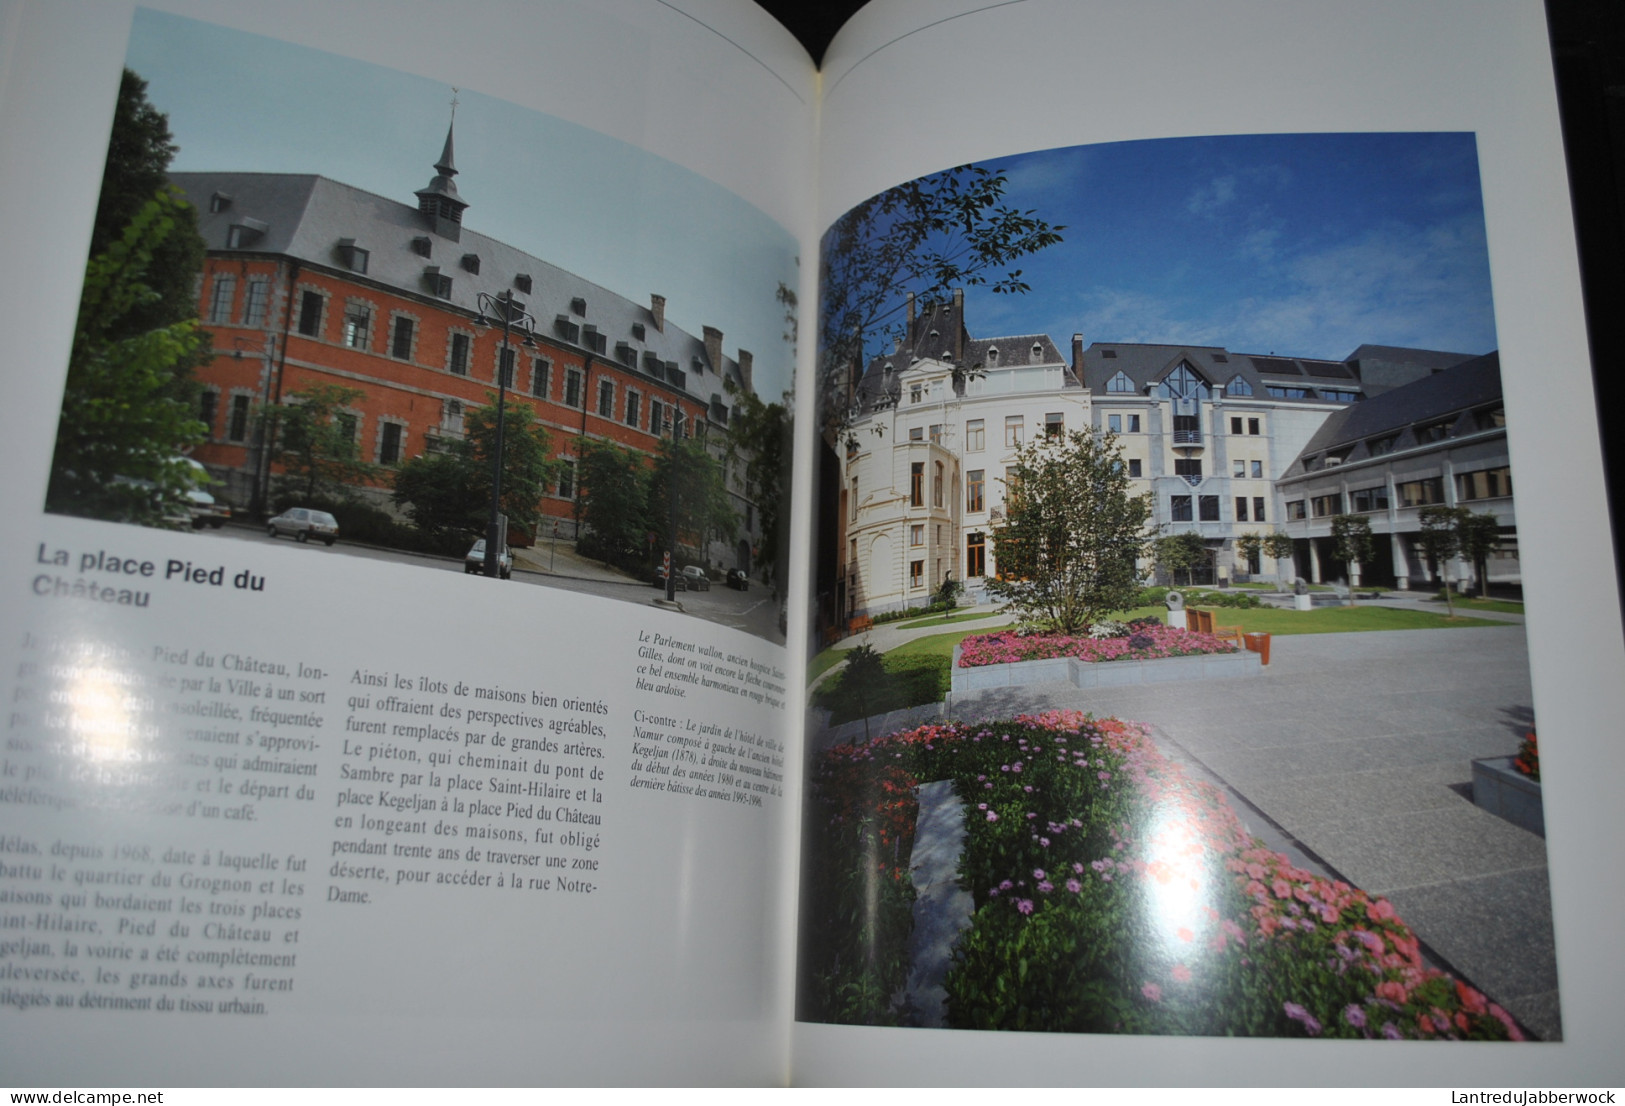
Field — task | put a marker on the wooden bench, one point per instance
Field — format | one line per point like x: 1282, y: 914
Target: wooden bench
x: 1199, y: 621
x: 860, y: 624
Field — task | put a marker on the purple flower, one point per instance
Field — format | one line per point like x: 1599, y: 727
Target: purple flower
x: 1297, y: 1013
x: 1045, y: 886
x: 1074, y: 886
x: 1024, y: 905
x: 1005, y: 885
x: 1038, y: 873
x: 1354, y: 1016
x: 1391, y: 1031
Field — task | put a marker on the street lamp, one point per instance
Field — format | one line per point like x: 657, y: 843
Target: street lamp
x: 511, y: 312
x: 267, y: 428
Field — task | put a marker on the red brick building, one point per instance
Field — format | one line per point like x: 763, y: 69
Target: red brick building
x: 309, y: 281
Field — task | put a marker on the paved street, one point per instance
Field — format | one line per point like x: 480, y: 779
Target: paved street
x: 754, y: 611
x: 1351, y: 752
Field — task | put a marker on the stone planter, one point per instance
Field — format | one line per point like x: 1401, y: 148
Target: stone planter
x: 1087, y: 674
x: 1506, y: 792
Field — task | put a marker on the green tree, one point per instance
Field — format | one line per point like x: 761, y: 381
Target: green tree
x: 863, y: 679
x: 759, y: 437
x: 1351, y: 539
x: 1478, y: 537
x: 1441, y: 541
x: 137, y: 168
x: 1278, y: 547
x: 1177, y: 553
x: 124, y: 412
x: 316, y: 443
x: 438, y: 492
x: 1072, y: 533
x: 614, y: 490
x: 445, y: 493
x: 948, y: 230
x: 687, y: 484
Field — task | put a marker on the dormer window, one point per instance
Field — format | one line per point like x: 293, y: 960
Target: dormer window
x: 1120, y: 384
x: 219, y: 202
x: 578, y: 306
x: 1183, y: 383
x: 638, y: 332
x: 993, y: 355
x: 423, y: 246
x: 1238, y: 386
x: 352, y: 256
x: 438, y: 283
x: 471, y: 262
x: 1038, y: 351
x: 522, y: 282
x: 244, y: 233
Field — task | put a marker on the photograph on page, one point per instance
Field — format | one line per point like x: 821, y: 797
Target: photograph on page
x: 416, y: 329
x: 1172, y: 674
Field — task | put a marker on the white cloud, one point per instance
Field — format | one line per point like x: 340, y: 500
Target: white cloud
x: 1208, y: 199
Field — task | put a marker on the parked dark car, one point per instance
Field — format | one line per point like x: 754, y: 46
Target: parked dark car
x: 474, y: 561
x: 680, y: 584
x: 696, y: 578
x: 738, y: 580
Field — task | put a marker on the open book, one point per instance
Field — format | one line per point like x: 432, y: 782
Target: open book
x: 491, y: 524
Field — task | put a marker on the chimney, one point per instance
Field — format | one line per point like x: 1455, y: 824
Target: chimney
x: 1077, y: 357
x: 657, y: 308
x: 911, y: 312
x: 745, y: 361
x: 959, y: 328
x: 713, y: 347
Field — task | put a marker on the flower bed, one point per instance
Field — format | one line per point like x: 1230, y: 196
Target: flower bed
x: 1147, y: 642
x: 1112, y: 894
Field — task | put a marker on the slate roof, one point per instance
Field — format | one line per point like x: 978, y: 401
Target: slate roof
x: 304, y: 216
x: 1147, y: 363
x: 1447, y: 395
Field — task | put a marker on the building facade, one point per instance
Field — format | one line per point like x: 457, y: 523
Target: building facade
x: 308, y: 281
x: 1207, y: 434
x: 1440, y: 441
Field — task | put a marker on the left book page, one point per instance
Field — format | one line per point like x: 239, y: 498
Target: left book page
x: 394, y: 654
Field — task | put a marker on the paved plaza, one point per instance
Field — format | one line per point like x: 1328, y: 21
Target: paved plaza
x: 1351, y: 752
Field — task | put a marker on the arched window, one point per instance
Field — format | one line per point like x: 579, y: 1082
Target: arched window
x: 1183, y: 383
x: 1120, y: 383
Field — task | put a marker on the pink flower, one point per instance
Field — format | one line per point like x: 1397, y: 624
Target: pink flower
x: 1024, y: 905
x: 1152, y: 992
x: 1181, y: 974
x: 991, y: 817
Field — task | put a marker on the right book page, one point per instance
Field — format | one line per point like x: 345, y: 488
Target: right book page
x: 1210, y: 500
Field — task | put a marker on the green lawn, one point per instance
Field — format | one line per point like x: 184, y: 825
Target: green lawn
x: 1504, y: 606
x: 946, y: 619
x: 825, y: 661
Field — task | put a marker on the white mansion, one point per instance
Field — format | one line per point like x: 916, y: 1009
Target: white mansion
x: 1214, y: 437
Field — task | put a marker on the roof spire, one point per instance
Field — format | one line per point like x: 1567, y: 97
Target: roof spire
x: 439, y: 201
x: 446, y: 165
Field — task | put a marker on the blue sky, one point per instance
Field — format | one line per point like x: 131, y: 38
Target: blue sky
x: 1302, y: 245
x: 598, y: 207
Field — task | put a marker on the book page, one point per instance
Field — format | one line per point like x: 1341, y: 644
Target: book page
x: 396, y: 674
x: 1300, y: 273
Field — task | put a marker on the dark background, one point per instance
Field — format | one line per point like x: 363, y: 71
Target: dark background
x: 1588, y: 60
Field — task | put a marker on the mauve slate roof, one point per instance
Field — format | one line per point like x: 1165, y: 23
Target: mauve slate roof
x: 306, y: 215
x: 1472, y: 383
